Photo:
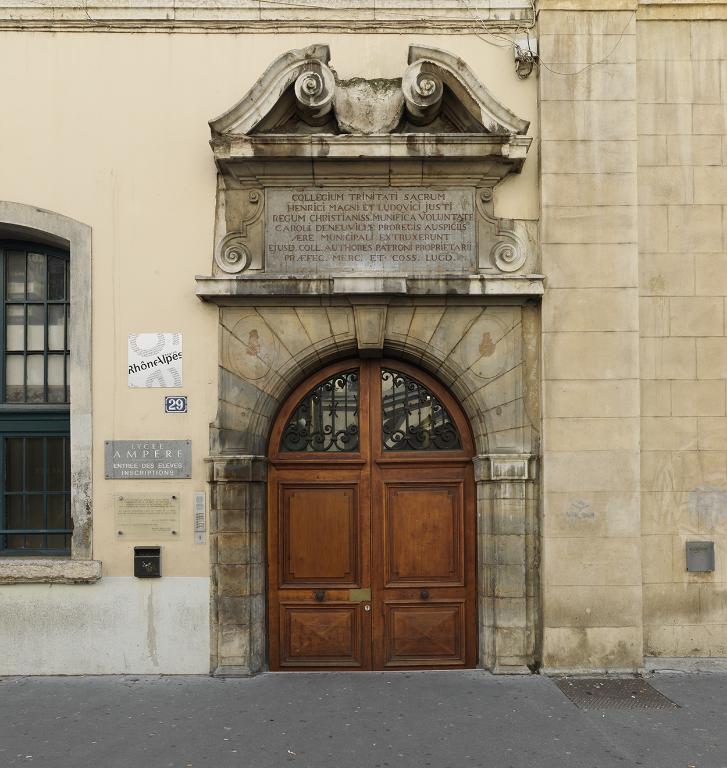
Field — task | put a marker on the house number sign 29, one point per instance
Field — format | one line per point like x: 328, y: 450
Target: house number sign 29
x: 175, y: 404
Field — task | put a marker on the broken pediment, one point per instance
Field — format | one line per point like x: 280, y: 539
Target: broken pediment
x: 299, y: 93
x: 300, y: 107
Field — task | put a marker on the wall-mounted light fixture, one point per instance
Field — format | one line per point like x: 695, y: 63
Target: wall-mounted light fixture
x: 526, y: 56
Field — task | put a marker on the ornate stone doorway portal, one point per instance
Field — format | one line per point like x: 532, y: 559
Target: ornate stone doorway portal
x: 355, y: 219
x: 371, y: 523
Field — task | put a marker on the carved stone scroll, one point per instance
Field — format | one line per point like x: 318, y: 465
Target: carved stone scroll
x: 508, y: 253
x: 241, y: 247
x: 468, y: 91
x: 423, y: 90
x: 314, y: 90
x: 232, y: 255
x: 262, y: 98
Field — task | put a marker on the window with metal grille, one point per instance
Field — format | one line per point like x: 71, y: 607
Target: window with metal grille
x: 35, y: 514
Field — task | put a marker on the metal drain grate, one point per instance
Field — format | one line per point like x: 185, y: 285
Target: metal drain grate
x: 613, y: 693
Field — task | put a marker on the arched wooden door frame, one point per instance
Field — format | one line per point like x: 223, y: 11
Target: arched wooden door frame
x: 375, y: 472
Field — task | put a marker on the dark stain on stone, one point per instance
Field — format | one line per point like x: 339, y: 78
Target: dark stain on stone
x: 253, y: 343
x: 487, y: 345
x: 377, y: 84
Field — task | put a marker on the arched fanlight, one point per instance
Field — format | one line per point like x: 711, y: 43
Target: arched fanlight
x: 412, y: 418
x: 326, y: 419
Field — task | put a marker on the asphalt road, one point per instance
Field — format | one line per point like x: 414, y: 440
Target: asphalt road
x: 343, y: 720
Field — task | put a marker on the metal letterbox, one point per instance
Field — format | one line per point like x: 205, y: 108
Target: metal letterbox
x: 700, y: 556
x: 147, y: 562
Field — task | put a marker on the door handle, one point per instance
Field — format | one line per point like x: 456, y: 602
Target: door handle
x: 319, y: 595
x: 424, y: 594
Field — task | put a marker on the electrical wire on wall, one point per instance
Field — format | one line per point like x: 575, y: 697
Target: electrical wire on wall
x: 489, y: 32
x: 603, y: 60
x: 527, y: 58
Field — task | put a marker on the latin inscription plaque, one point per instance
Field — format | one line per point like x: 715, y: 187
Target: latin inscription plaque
x: 408, y: 230
x: 147, y: 459
x: 147, y: 515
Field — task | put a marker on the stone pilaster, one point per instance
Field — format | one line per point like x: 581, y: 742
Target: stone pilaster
x: 507, y: 561
x: 237, y: 544
x: 592, y: 615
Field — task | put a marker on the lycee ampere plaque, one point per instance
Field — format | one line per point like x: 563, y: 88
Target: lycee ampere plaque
x: 147, y: 459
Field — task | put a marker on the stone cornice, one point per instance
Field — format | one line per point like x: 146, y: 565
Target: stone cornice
x: 338, y: 16
x: 645, y: 9
x: 229, y: 291
x: 448, y: 158
x: 263, y: 15
x: 586, y: 5
x: 505, y: 467
x: 686, y: 10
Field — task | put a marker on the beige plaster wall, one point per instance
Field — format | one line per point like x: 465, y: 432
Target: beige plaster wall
x: 111, y: 129
x: 682, y: 90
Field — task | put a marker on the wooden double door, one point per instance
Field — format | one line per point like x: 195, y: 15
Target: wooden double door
x: 371, y: 540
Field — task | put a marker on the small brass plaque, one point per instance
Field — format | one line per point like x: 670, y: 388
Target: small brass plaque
x: 147, y: 515
x: 359, y: 595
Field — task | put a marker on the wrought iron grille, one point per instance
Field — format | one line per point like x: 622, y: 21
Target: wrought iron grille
x: 413, y: 419
x: 36, y: 495
x: 326, y: 419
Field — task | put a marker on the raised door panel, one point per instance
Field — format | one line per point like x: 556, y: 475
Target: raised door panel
x: 423, y: 532
x: 424, y: 634
x: 318, y: 550
x: 424, y: 586
x: 330, y: 635
x: 319, y: 535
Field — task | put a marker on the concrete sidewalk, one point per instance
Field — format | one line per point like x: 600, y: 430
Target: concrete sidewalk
x: 343, y: 720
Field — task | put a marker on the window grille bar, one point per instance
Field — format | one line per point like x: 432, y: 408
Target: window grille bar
x: 63, y: 531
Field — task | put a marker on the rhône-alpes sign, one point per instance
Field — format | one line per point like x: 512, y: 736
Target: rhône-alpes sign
x: 381, y: 229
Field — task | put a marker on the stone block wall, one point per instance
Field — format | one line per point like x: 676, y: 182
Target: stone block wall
x: 237, y: 554
x: 592, y: 615
x: 682, y: 92
x: 634, y: 234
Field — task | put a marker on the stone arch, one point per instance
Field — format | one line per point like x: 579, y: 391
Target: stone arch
x: 28, y: 222
x: 476, y: 351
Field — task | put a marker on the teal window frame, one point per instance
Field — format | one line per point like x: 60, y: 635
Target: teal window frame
x: 33, y: 420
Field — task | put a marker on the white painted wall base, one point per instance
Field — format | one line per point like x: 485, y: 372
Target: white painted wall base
x: 119, y: 625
